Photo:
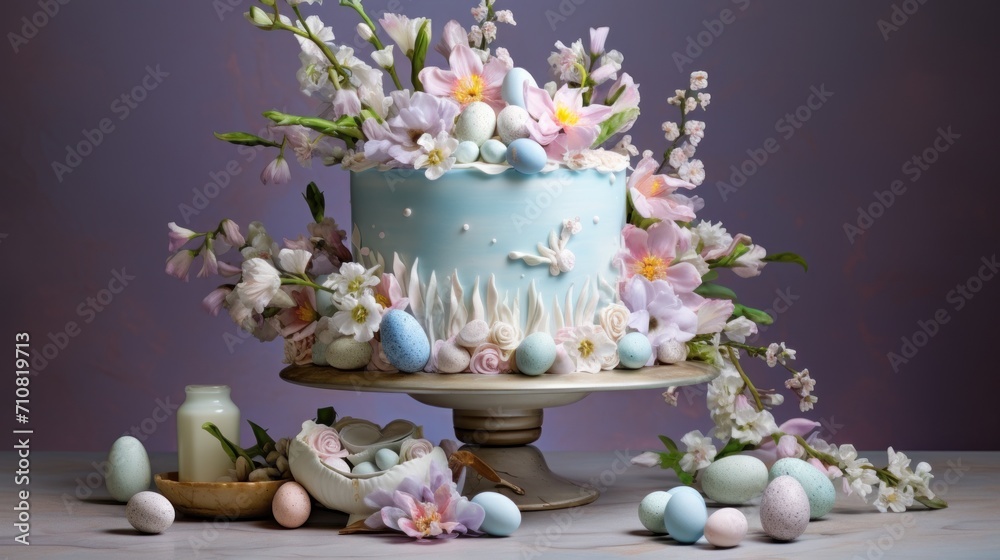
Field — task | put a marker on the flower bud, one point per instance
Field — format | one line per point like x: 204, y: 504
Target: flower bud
x: 258, y: 17
x: 365, y: 32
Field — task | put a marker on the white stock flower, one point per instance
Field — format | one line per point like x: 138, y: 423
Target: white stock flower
x: 714, y: 239
x: 670, y: 131
x: 704, y: 99
x: 294, y: 261
x: 404, y: 30
x: 437, y: 154
x: 479, y: 12
x: 352, y: 280
x: 315, y: 26
x: 893, y: 497
x: 739, y: 329
x: 898, y: 463
x: 695, y: 131
x: 505, y: 16
x: 261, y: 286
x: 614, y: 320
x: 699, y: 80
x: 383, y: 57
x: 489, y: 31
x: 690, y: 104
x: 751, y: 426
x: 700, y: 452
x: 359, y: 317
x: 677, y: 158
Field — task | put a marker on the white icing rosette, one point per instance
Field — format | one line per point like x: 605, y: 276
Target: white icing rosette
x: 614, y: 321
x: 506, y: 337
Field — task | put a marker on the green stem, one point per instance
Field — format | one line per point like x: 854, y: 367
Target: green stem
x: 746, y: 380
x: 296, y: 281
x: 375, y: 41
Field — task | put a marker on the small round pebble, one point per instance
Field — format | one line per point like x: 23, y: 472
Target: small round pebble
x: 473, y: 334
x: 634, y: 350
x: 149, y: 512
x: 651, y: 511
x: 467, y: 152
x: 784, y: 509
x: 386, y: 458
x: 291, y: 505
x: 493, y: 151
x: 726, y: 528
x: 502, y: 515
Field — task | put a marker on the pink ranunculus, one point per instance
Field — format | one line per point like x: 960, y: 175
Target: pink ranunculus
x: 325, y: 442
x: 651, y: 253
x: 299, y: 352
x: 563, y: 123
x: 468, y: 80
x: 488, y: 360
x: 654, y: 195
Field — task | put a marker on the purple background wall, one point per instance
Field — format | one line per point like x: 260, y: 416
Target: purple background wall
x: 63, y: 237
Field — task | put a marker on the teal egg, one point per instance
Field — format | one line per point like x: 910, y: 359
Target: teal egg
x: 512, y: 89
x: 128, y: 471
x: 536, y: 354
x: 493, y: 151
x: 735, y: 479
x: 502, y: 516
x: 526, y: 156
x: 467, y: 152
x: 404, y: 342
x: 818, y: 487
x: 386, y: 458
x: 634, y: 350
x: 685, y: 516
x: 651, y: 510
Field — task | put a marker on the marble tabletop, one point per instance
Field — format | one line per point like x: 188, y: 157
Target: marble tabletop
x: 72, y: 516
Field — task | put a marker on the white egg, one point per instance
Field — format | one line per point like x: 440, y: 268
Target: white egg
x: 128, y: 469
x: 149, y: 512
x: 512, y: 123
x: 476, y: 124
x: 784, y: 509
x: 726, y: 528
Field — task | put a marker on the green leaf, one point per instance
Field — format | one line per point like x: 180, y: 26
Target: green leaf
x: 644, y: 223
x: 755, y: 315
x: 613, y: 124
x: 933, y: 503
x: 733, y: 446
x: 245, y: 139
x: 419, y: 55
x: 686, y: 478
x: 260, y: 434
x: 231, y: 449
x: 710, y: 276
x: 717, y: 291
x: 316, y: 201
x: 326, y: 416
x: 669, y: 444
x: 787, y: 258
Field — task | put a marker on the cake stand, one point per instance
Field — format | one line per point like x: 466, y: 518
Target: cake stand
x: 499, y: 416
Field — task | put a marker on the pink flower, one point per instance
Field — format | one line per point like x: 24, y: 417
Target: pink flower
x: 276, y: 172
x: 214, y: 301
x: 468, y: 80
x: 231, y: 233
x: 396, y: 139
x: 452, y: 36
x: 651, y: 253
x: 597, y: 38
x: 299, y: 352
x: 831, y: 471
x: 325, y: 442
x: 564, y: 124
x: 299, y: 321
x: 488, y: 360
x: 788, y: 446
x: 179, y: 264
x: 713, y: 314
x: 389, y: 294
x: 768, y: 450
x: 379, y: 361
x: 657, y: 312
x: 654, y: 195
x: 178, y: 236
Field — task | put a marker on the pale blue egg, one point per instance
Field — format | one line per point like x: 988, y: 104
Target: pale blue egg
x: 324, y: 299
x: 319, y: 354
x: 512, y: 89
x: 467, y: 152
x: 526, y: 155
x: 405, y: 344
x: 536, y: 353
x: 634, y: 350
x: 128, y: 470
x: 364, y: 468
x: 735, y: 479
x: 493, y: 151
x: 386, y: 458
x: 685, y: 516
x: 818, y: 487
x: 502, y: 516
x: 476, y: 124
x: 651, y: 510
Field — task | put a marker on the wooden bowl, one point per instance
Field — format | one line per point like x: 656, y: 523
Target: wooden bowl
x: 230, y: 500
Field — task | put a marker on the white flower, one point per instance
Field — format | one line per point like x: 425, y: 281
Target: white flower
x: 898, y: 463
x: 739, y: 329
x: 503, y: 55
x: 353, y: 280
x: 670, y: 396
x: 294, y: 261
x: 806, y: 403
x: 920, y: 479
x: 699, y: 80
x: 437, y: 155
x: 690, y: 104
x: 714, y: 239
x: 383, y: 57
x: 261, y: 286
x: 677, y: 158
x: 359, y: 317
x: 692, y: 171
x: 276, y: 172
x: 365, y: 32
x: 614, y: 320
x: 771, y: 355
x: 318, y: 30
x: 688, y: 148
x: 588, y: 346
x: 611, y: 361
x: 695, y: 131
x: 670, y: 130
x: 749, y: 264
x: 858, y: 472
x: 489, y: 31
x: 480, y: 11
x: 505, y: 16
x: 721, y: 398
x: 625, y: 147
x: 404, y: 30
x: 565, y: 59
x: 704, y: 99
x: 700, y: 452
x: 678, y: 97
x: 475, y: 35
x: 751, y: 426
x: 893, y: 497
x: 772, y: 399
x: 505, y: 336
x: 647, y: 459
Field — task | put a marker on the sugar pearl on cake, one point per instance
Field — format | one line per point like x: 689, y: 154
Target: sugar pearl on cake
x: 381, y: 235
x: 597, y: 219
x: 407, y: 212
x: 493, y: 241
x: 465, y: 227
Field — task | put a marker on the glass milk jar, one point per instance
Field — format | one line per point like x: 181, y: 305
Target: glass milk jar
x: 200, y: 457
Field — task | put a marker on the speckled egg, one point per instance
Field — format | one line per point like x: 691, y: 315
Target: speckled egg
x: 386, y: 458
x: 634, y: 350
x: 364, y: 468
x: 818, y: 487
x: 502, y: 516
x: 467, y: 152
x: 784, y: 509
x: 536, y: 354
x: 685, y: 516
x: 452, y: 358
x: 735, y: 479
x: 347, y: 353
x: 404, y: 342
x: 493, y: 151
x: 512, y: 89
x: 726, y: 528
x: 149, y: 512
x: 651, y: 511
x: 526, y: 156
x: 128, y: 469
x: 512, y: 123
x: 476, y: 124
x: 291, y: 505
x: 473, y: 334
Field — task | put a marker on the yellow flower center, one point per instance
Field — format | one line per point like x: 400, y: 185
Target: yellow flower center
x: 652, y: 267
x: 306, y: 314
x: 435, y: 157
x: 359, y: 314
x: 355, y: 285
x: 425, y: 523
x: 566, y: 116
x: 656, y: 187
x: 469, y: 89
x: 586, y: 348
x: 383, y: 300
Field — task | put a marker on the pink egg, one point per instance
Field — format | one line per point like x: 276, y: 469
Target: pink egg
x: 726, y: 527
x: 784, y: 509
x: 291, y: 505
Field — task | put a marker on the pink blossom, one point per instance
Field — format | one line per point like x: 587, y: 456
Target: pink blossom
x: 657, y: 312
x: 179, y: 264
x: 389, y: 294
x: 597, y: 39
x: 330, y: 240
x: 325, y: 442
x: 647, y: 459
x: 299, y: 321
x: 627, y: 99
x: 178, y: 236
x: 276, y: 172
x: 767, y: 450
x: 396, y: 139
x: 788, y: 446
x: 713, y: 314
x: 654, y: 196
x: 832, y: 472
x: 468, y: 79
x: 488, y: 360
x: 210, y: 265
x: 299, y: 352
x: 231, y: 233
x: 214, y: 301
x: 346, y: 102
x: 452, y: 36
x: 564, y: 124
x: 651, y: 253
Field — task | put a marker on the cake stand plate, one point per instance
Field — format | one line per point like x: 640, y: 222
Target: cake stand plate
x: 499, y: 416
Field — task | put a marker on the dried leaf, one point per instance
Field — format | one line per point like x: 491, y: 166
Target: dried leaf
x: 467, y: 459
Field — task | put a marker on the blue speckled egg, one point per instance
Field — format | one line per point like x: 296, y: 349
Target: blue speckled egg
x: 685, y: 516
x: 818, y: 487
x: 128, y: 469
x: 467, y: 152
x: 493, y: 151
x: 386, y: 458
x: 404, y: 342
x: 735, y: 479
x: 651, y: 510
x: 536, y: 354
x: 512, y: 89
x: 634, y: 350
x: 526, y: 155
x: 502, y: 516
x: 476, y: 124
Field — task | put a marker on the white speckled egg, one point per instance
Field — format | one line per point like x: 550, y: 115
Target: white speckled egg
x: 347, y: 353
x: 386, y: 458
x: 818, y: 487
x: 651, y: 511
x: 405, y: 344
x: 493, y: 151
x: 291, y: 506
x: 784, y: 509
x: 364, y: 468
x: 467, y: 152
x: 452, y: 358
x: 685, y: 516
x: 473, y: 334
x: 735, y: 479
x: 149, y: 512
x: 726, y: 528
x: 512, y: 123
x: 502, y: 516
x: 526, y: 156
x: 536, y: 354
x: 128, y: 469
x: 476, y: 124
x: 634, y: 350
x: 512, y: 89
